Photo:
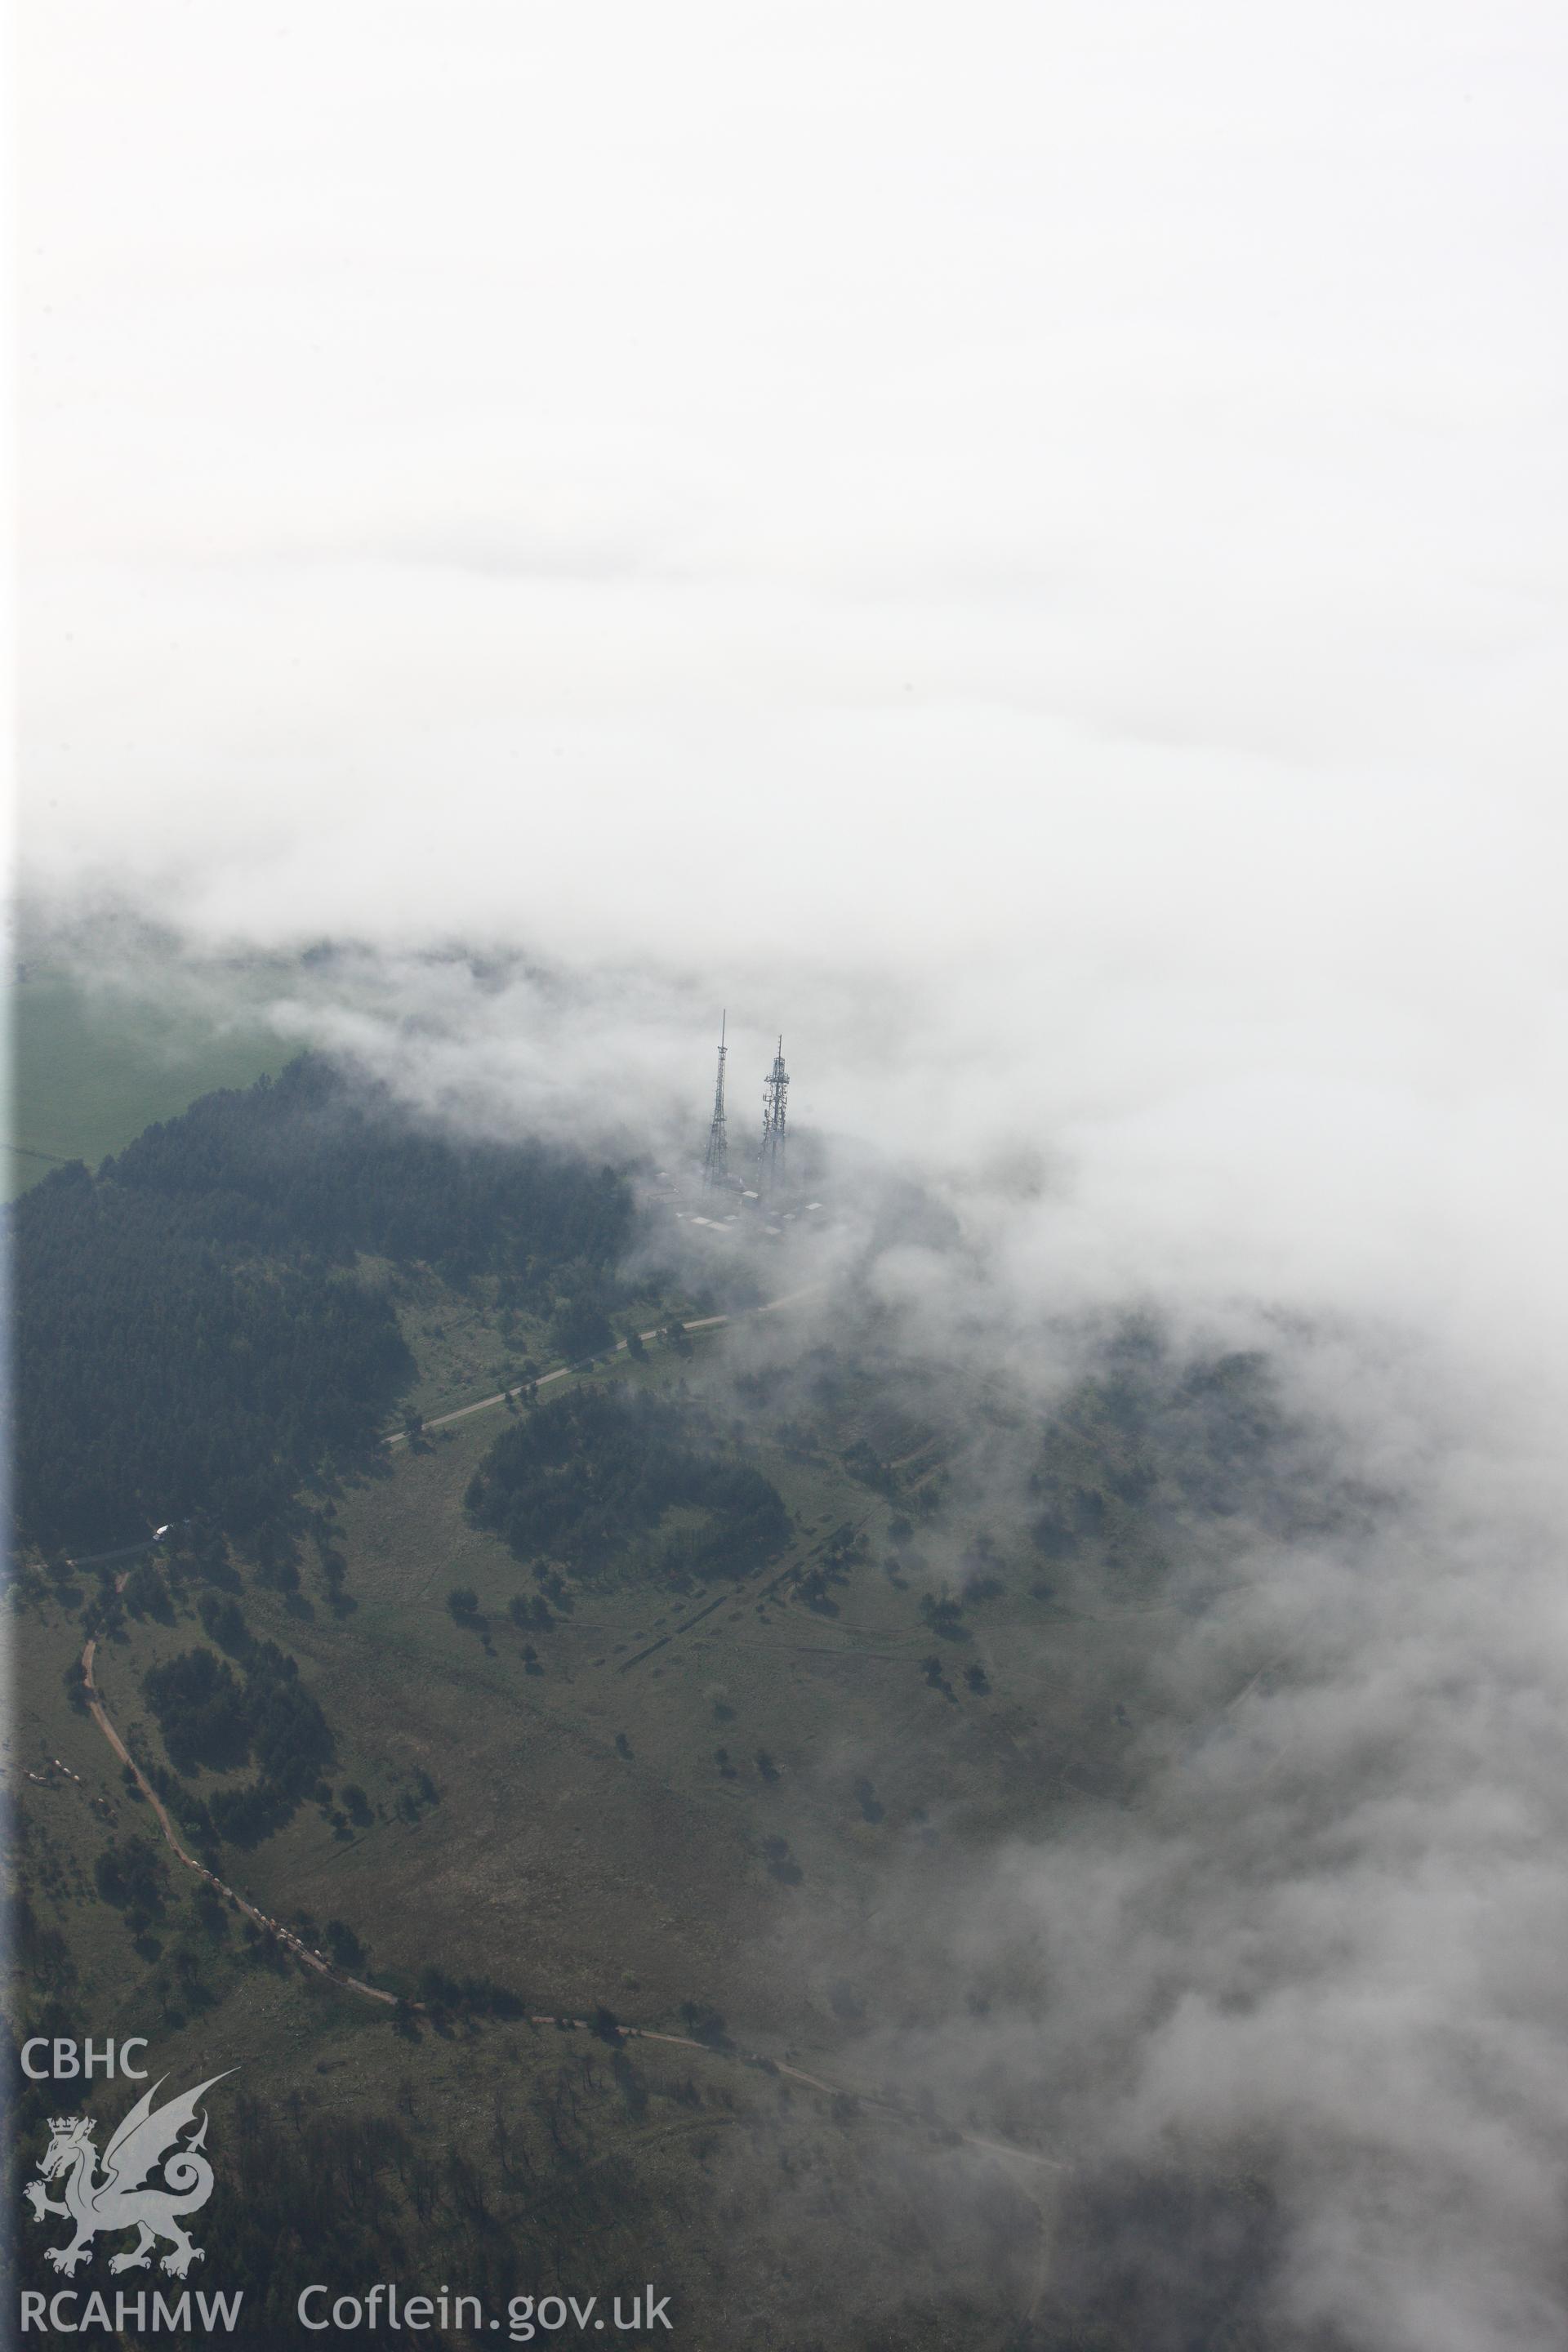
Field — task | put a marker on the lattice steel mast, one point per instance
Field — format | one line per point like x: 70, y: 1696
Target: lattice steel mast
x: 771, y: 1158
x: 716, y: 1165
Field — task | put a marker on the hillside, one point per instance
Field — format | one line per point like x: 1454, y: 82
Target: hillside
x: 681, y: 1695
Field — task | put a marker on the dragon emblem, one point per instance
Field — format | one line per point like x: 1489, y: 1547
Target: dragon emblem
x: 122, y: 2197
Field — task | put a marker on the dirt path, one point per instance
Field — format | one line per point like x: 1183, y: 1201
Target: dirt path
x: 1007, y: 2149
x: 863, y: 2098
x: 339, y: 1977
x: 295, y: 1944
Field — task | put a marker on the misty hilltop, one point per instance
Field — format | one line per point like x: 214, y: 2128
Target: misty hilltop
x: 786, y: 1164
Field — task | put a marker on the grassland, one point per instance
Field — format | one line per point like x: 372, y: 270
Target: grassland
x: 746, y: 1802
x: 574, y: 1864
x: 710, y: 2176
x: 91, y: 1069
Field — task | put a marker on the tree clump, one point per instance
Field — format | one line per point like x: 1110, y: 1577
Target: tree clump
x: 588, y: 1479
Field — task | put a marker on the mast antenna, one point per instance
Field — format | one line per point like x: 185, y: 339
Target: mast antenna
x: 716, y: 1163
x: 771, y: 1158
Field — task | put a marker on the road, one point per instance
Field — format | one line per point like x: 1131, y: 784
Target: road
x: 564, y: 1372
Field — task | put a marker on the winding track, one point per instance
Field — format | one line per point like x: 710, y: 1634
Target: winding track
x: 308, y: 1957
x: 301, y: 1949
x: 349, y: 1983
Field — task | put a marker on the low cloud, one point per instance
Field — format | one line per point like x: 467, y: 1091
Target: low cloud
x: 1020, y: 557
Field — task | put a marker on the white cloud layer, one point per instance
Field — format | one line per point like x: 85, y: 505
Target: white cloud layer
x: 1025, y: 546
x: 1048, y: 518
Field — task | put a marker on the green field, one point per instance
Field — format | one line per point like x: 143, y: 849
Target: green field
x: 92, y: 1067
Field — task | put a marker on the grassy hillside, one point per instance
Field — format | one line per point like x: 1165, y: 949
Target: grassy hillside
x: 719, y: 1807
x: 585, y: 1848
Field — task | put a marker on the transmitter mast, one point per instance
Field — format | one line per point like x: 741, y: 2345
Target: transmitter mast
x: 771, y: 1158
x: 716, y: 1164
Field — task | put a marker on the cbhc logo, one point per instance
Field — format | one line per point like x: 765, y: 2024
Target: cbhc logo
x: 69, y: 2060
